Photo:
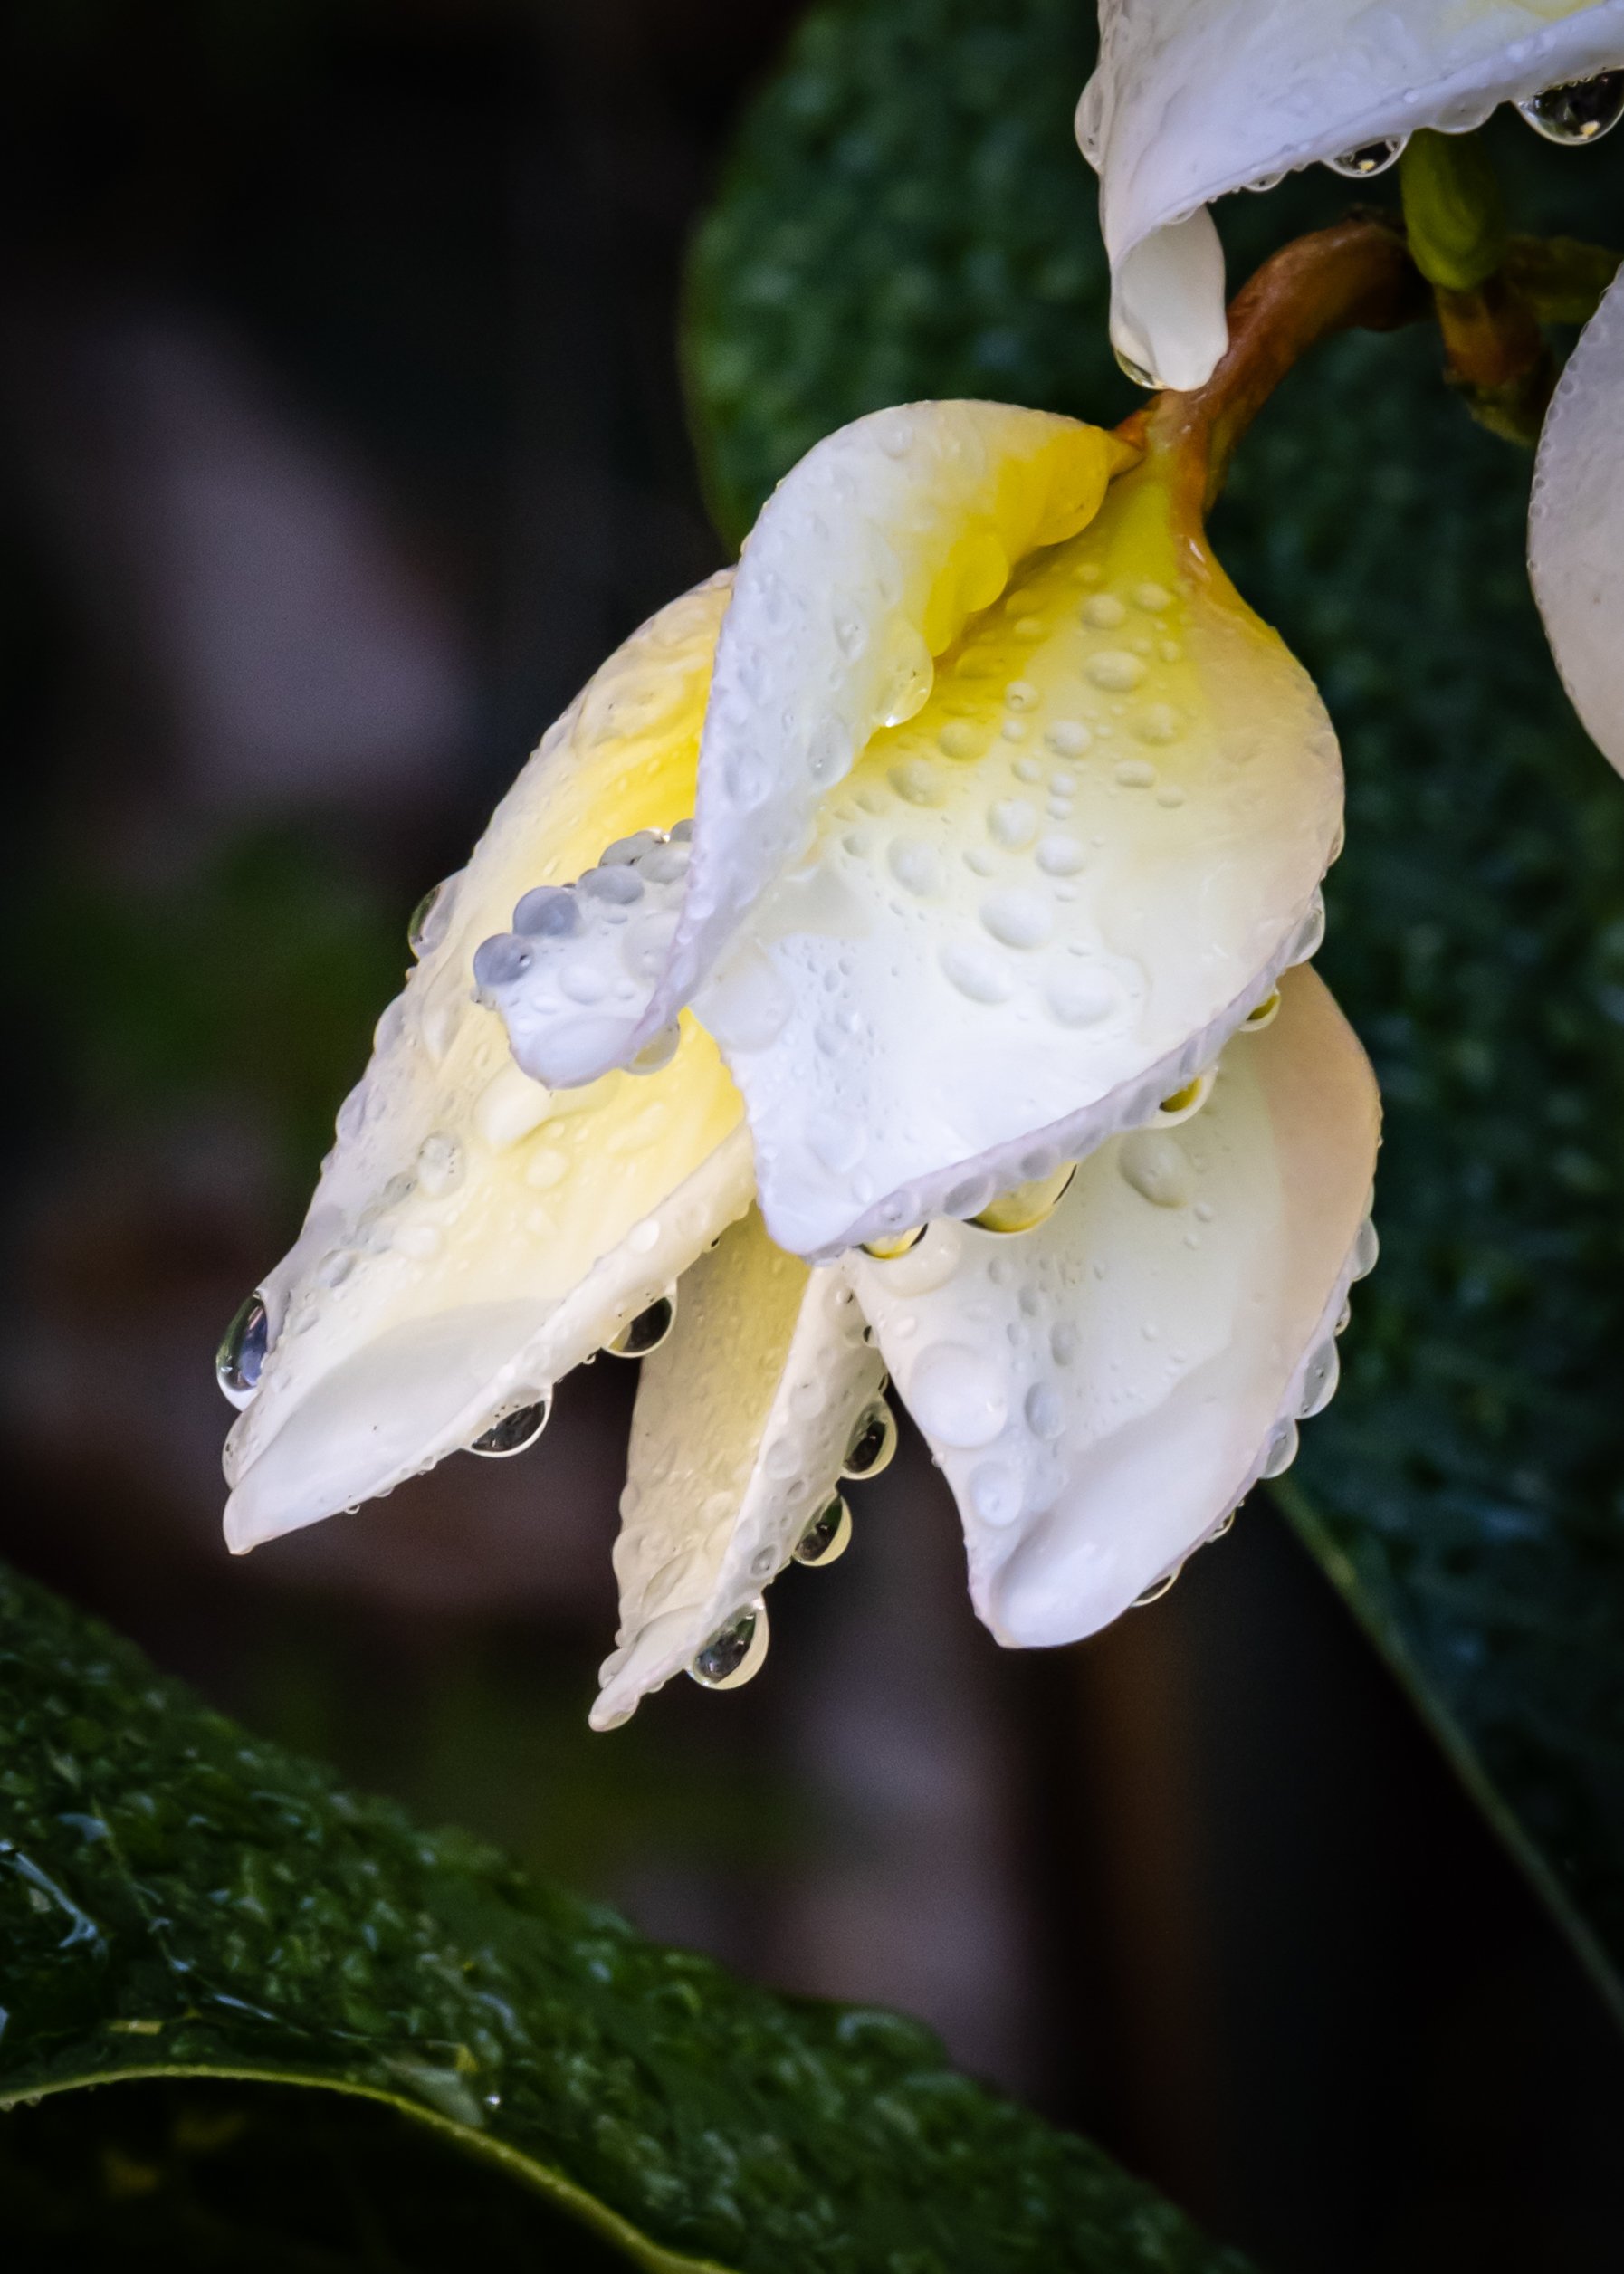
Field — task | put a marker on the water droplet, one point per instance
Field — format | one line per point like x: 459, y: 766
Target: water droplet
x: 873, y: 1446
x: 1045, y: 1412
x: 616, y: 887
x: 914, y: 866
x: 549, y: 913
x: 1012, y: 822
x: 1320, y: 1381
x: 1157, y: 1167
x: 956, y: 1396
x: 735, y: 1652
x: 995, y: 1492
x: 1068, y: 738
x: 500, y: 960
x: 241, y: 1356
x: 1366, y: 1249
x: 1577, y: 110
x: 1370, y: 158
x: 962, y: 738
x: 1028, y: 1205
x: 1311, y: 932
x: 1152, y: 597
x: 1020, y: 694
x: 826, y: 1538
x: 1157, y: 1588
x: 1134, y: 773
x: 888, y: 1247
x: 423, y: 934
x: 1083, y: 998
x: 647, y: 1331
x: 1115, y: 670
x: 1262, y: 1015
x: 1018, y: 918
x: 515, y: 1431
x: 1104, y: 611
x: 1282, y: 1450
x: 977, y: 975
x: 1184, y: 1103
x: 1135, y: 371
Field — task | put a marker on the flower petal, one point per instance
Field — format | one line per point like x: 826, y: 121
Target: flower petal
x: 861, y: 568
x: 1102, y: 1391
x: 473, y: 1236
x: 1576, y: 526
x: 744, y: 1418
x: 1193, y: 100
x: 1040, y: 906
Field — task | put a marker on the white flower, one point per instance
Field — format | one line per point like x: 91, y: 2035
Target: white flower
x: 1006, y: 814
x: 1193, y: 98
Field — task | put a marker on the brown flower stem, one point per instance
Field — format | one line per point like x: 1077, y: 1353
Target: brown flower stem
x: 1355, y: 274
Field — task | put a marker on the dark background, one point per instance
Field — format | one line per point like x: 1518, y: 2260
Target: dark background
x: 342, y: 436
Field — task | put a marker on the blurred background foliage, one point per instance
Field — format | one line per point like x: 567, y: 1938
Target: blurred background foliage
x: 340, y: 435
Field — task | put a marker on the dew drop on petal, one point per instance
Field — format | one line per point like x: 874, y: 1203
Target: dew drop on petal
x: 647, y: 1331
x: 735, y: 1652
x: 826, y: 1538
x: 873, y: 1446
x: 1577, y: 110
x: 1358, y: 165
x: 241, y: 1356
x: 956, y: 1396
x: 515, y: 1431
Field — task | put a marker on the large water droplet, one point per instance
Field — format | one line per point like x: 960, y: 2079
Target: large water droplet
x: 1282, y: 1450
x: 1157, y: 1167
x: 1366, y: 1249
x: 889, y: 1247
x: 873, y: 1444
x: 423, y: 934
x: 1028, y: 1205
x: 242, y: 1352
x: 647, y: 1331
x: 1319, y: 1383
x: 826, y: 1538
x: 1370, y: 158
x: 1135, y: 371
x: 1576, y: 110
x: 515, y: 1431
x: 956, y: 1396
x: 734, y: 1652
x: 1157, y: 1588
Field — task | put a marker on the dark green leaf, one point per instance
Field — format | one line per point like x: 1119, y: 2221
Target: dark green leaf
x: 179, y: 1899
x: 908, y: 217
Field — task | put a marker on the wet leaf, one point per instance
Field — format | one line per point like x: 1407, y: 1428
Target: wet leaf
x: 180, y: 1900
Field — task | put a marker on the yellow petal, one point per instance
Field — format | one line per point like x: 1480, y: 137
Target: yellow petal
x: 474, y: 1236
x: 1037, y: 909
x: 743, y: 1419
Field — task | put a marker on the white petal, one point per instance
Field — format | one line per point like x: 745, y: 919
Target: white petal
x: 861, y: 569
x: 744, y: 1417
x: 1037, y: 907
x: 1576, y: 526
x: 1195, y: 98
x: 1102, y: 1391
x: 473, y: 1236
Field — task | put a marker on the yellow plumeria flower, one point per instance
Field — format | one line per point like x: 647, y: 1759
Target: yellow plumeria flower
x: 1194, y: 99
x: 848, y: 986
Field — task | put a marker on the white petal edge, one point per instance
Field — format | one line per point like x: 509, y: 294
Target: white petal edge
x: 1192, y: 99
x: 861, y: 568
x: 473, y: 1236
x: 1102, y: 1391
x: 743, y: 1419
x: 1576, y: 526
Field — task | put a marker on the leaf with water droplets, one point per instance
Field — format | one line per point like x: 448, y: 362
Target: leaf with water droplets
x: 179, y: 1900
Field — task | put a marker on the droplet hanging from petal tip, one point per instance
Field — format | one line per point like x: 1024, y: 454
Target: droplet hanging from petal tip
x: 515, y: 1431
x: 1157, y: 1588
x: 873, y: 1446
x: 826, y: 1538
x: 886, y: 1249
x: 243, y: 1349
x: 647, y: 1331
x: 1577, y: 110
x: 1028, y: 1205
x: 1368, y: 159
x: 735, y: 1652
